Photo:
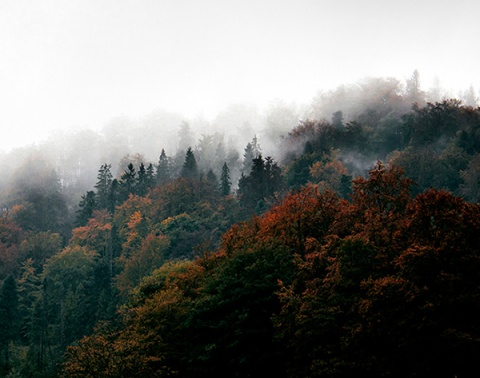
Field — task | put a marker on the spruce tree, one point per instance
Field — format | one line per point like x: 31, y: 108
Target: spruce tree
x: 103, y: 185
x: 127, y: 182
x: 86, y: 206
x: 252, y: 151
x: 248, y: 157
x: 141, y: 185
x: 163, y: 169
x: 150, y: 177
x: 8, y: 319
x: 189, y: 169
x: 113, y: 196
x: 225, y: 183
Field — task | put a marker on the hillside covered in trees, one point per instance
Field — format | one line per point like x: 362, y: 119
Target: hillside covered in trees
x: 346, y: 244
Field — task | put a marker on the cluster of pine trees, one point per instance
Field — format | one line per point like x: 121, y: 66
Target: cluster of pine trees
x: 327, y: 263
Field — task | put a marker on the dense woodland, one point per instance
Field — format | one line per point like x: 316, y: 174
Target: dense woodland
x: 344, y: 244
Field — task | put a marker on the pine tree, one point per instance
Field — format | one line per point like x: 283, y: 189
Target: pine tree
x: 8, y: 319
x: 189, y: 169
x: 225, y: 183
x: 212, y: 179
x: 261, y: 185
x: 86, y: 206
x: 252, y: 151
x: 103, y: 185
x: 113, y: 196
x: 163, y: 169
x: 248, y: 157
x: 141, y: 187
x: 128, y: 182
x: 150, y: 177
x: 28, y: 294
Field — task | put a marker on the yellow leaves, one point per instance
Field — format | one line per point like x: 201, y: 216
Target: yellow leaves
x: 328, y: 175
x: 96, y: 234
x: 135, y: 219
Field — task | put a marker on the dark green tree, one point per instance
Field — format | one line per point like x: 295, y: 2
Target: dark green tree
x: 189, y: 169
x: 150, y: 176
x: 225, y: 183
x: 86, y: 206
x: 8, y: 320
x: 103, y: 185
x: 252, y: 151
x: 141, y: 185
x: 28, y: 293
x: 163, y: 169
x: 128, y: 182
x: 113, y: 196
x: 211, y: 179
x: 261, y: 186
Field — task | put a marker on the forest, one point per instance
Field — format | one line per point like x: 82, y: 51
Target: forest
x: 336, y: 242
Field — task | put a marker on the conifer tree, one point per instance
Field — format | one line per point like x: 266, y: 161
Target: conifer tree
x: 128, y: 182
x: 252, y: 151
x: 28, y: 293
x: 190, y: 169
x: 248, y: 157
x: 86, y: 206
x: 163, y: 169
x: 225, y: 183
x: 103, y: 185
x: 212, y: 179
x: 150, y: 176
x: 141, y: 181
x: 8, y: 319
x: 113, y: 196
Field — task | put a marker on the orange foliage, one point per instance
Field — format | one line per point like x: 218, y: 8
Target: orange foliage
x: 96, y: 234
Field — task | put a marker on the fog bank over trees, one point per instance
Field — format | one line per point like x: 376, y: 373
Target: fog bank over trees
x: 76, y: 155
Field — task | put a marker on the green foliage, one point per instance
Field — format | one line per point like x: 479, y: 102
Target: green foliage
x: 8, y: 321
x: 86, y: 206
x: 189, y: 168
x: 39, y: 247
x: 262, y: 185
x: 225, y: 183
x: 103, y: 186
x: 163, y: 169
x: 128, y: 182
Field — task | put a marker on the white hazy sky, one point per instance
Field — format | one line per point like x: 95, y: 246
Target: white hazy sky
x: 79, y: 63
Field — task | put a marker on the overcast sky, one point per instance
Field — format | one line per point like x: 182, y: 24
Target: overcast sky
x: 79, y: 63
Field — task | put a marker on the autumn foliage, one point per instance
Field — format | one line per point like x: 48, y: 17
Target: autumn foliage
x: 382, y: 284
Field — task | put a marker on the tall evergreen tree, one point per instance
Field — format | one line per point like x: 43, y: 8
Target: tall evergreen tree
x: 225, y: 183
x: 86, y: 206
x: 212, y: 179
x: 190, y: 169
x: 163, y: 169
x: 113, y: 196
x: 150, y: 176
x: 252, y: 151
x: 141, y: 185
x: 128, y: 182
x: 8, y: 320
x: 28, y: 293
x: 261, y: 185
x: 102, y: 186
x: 248, y: 157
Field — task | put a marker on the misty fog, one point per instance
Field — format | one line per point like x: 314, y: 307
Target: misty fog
x: 76, y: 155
